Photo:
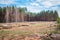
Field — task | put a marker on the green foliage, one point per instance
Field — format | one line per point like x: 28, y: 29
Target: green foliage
x: 55, y: 15
x: 22, y: 9
x: 58, y: 26
x: 58, y: 20
x: 3, y: 34
x: 48, y: 38
x: 55, y: 31
x: 48, y: 15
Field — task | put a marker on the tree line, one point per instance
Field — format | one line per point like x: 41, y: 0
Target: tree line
x: 12, y: 14
x: 49, y: 15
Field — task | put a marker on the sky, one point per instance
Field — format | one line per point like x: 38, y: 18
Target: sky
x: 33, y: 5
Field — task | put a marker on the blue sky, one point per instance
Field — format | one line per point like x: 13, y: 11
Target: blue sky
x: 34, y: 5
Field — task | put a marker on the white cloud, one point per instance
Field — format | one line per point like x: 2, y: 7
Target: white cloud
x: 54, y: 0
x: 47, y: 4
x: 34, y: 4
x: 34, y: 9
x: 57, y: 8
x: 38, y: 0
x: 7, y: 1
x: 21, y: 6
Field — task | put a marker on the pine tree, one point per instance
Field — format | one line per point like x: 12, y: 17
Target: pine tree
x: 55, y: 15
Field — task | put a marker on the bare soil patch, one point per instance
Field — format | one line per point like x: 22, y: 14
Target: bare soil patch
x: 27, y: 28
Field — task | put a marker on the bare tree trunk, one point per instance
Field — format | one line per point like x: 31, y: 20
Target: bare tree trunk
x: 7, y: 15
x: 16, y: 15
x: 22, y: 16
x: 11, y: 15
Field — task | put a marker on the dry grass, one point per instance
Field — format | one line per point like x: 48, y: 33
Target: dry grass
x: 21, y: 29
x: 31, y: 27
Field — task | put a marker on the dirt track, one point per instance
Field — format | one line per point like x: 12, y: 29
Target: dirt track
x: 34, y: 27
x: 24, y: 29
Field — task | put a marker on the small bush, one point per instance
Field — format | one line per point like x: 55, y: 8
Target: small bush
x: 58, y: 20
x: 58, y: 26
x: 48, y: 38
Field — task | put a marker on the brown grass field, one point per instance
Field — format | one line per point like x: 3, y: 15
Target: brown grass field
x: 28, y: 28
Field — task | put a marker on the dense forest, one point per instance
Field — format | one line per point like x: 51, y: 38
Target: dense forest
x: 49, y: 15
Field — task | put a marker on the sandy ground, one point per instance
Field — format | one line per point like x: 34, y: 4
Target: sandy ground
x: 34, y: 27
x: 26, y: 28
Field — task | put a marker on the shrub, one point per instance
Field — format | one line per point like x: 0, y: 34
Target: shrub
x: 58, y: 20
x: 58, y: 26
